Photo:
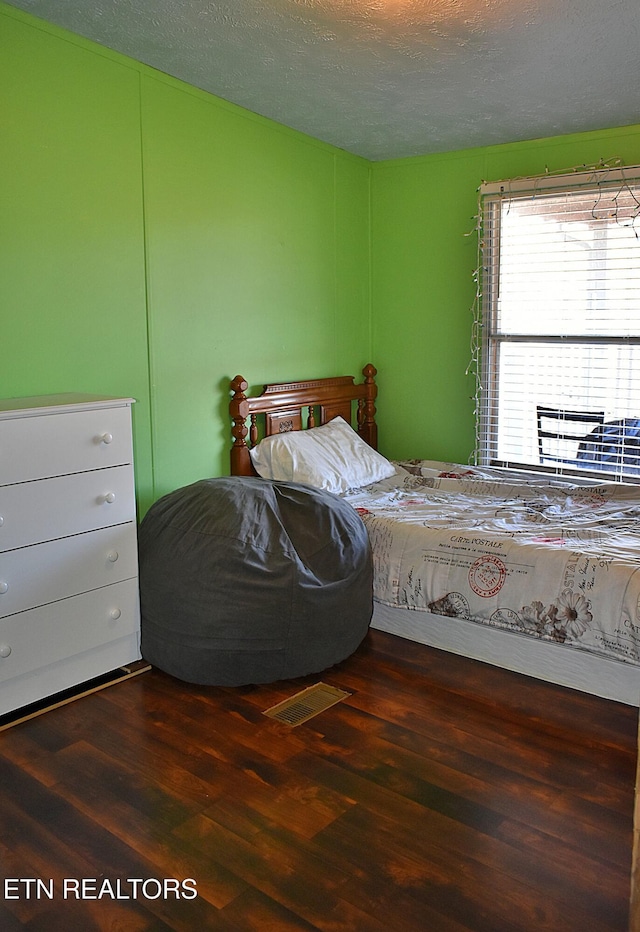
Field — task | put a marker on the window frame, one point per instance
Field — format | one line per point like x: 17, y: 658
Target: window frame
x: 488, y: 334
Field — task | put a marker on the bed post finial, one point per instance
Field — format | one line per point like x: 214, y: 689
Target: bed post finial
x: 239, y: 409
x: 368, y: 428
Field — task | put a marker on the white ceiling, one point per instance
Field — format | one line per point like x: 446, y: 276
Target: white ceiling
x: 388, y: 78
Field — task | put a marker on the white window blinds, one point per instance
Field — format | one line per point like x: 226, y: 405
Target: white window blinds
x: 560, y: 324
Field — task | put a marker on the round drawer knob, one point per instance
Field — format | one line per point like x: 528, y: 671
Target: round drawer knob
x: 107, y: 438
x: 112, y: 556
x: 5, y: 650
x: 114, y: 614
x: 4, y: 586
x: 110, y: 498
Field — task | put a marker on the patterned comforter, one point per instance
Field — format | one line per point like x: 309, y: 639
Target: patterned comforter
x: 543, y: 557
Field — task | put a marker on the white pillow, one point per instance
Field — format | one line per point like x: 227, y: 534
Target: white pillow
x: 332, y: 457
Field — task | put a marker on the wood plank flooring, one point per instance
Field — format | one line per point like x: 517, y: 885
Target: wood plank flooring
x: 443, y: 795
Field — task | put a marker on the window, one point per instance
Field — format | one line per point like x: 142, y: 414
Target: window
x: 560, y: 323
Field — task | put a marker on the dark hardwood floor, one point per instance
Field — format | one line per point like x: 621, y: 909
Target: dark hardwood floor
x: 443, y: 795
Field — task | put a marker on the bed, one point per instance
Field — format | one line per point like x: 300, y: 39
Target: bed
x: 522, y: 570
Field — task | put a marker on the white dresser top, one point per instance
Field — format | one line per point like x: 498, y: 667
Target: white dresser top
x: 57, y: 404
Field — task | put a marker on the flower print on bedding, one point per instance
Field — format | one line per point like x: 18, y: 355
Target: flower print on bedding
x: 547, y: 559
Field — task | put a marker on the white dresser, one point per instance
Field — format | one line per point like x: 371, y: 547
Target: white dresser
x: 69, y: 607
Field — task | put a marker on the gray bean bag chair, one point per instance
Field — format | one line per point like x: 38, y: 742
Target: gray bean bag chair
x: 249, y: 581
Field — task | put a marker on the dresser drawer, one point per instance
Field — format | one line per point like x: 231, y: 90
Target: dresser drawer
x: 44, y: 573
x: 40, y: 446
x: 34, y: 512
x: 45, y: 635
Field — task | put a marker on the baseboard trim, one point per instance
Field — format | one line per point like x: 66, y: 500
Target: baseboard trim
x: 25, y: 713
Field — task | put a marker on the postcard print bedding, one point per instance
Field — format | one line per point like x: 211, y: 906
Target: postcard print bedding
x: 539, y: 556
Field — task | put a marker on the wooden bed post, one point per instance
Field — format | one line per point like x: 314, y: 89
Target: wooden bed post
x: 239, y: 408
x: 367, y: 427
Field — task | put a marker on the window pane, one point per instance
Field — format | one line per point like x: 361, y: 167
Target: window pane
x: 567, y: 266
x: 573, y: 377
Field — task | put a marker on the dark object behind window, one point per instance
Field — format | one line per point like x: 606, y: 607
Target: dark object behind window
x: 613, y: 447
x: 561, y: 432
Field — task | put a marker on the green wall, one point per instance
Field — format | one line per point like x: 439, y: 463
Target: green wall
x: 257, y: 263
x: 157, y: 241
x: 72, y: 285
x: 422, y: 280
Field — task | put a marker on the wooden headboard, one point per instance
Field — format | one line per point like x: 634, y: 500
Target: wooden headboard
x: 283, y: 404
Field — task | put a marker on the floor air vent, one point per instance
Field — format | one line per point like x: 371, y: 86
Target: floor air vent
x: 304, y: 705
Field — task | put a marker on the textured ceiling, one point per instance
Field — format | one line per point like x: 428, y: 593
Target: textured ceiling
x: 388, y: 78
